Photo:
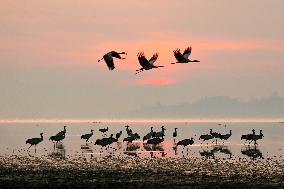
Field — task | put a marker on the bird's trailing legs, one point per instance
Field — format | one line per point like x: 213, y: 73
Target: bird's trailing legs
x: 139, y: 71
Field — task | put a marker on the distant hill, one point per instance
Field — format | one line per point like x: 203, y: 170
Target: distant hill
x: 216, y: 107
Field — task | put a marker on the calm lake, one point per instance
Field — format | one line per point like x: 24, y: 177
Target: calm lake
x: 14, y: 135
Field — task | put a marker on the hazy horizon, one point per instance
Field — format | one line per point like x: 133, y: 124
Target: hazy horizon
x: 49, y: 52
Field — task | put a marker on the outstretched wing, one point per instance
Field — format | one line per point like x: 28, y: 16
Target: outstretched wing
x: 154, y: 58
x: 109, y: 61
x: 187, y: 52
x: 142, y: 59
x: 178, y: 55
x: 115, y: 54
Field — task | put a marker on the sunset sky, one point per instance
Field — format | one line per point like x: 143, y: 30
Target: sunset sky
x: 49, y: 52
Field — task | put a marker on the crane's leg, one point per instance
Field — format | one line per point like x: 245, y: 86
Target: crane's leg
x: 139, y: 71
x: 30, y: 146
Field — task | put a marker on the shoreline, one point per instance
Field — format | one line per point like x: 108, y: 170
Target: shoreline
x: 133, y: 172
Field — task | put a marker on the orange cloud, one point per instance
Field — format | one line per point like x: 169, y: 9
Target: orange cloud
x: 156, y: 81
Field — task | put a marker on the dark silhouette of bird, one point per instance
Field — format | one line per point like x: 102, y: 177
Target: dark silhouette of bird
x: 62, y: 132
x: 117, y: 136
x: 215, y: 135
x: 161, y: 133
x: 175, y: 134
x: 57, y: 138
x: 206, y: 137
x: 105, y: 141
x: 103, y: 130
x: 87, y: 136
x: 108, y: 57
x: 225, y: 136
x: 185, y: 142
x: 256, y: 137
x: 35, y: 141
x: 128, y: 131
x: 155, y: 141
x: 131, y: 138
x: 147, y: 64
x: 183, y: 58
x: 248, y: 137
x: 148, y: 135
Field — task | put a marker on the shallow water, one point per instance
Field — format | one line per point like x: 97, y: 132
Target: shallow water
x: 13, y: 137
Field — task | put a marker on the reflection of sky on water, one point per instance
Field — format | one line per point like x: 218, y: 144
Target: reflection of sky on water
x: 13, y: 137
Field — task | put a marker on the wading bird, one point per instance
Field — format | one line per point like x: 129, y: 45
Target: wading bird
x: 62, y: 132
x: 147, y: 64
x: 103, y: 130
x: 248, y: 136
x: 108, y: 57
x: 35, y: 141
x: 225, y: 136
x: 128, y: 131
x: 105, y: 142
x: 206, y: 137
x: 175, y: 134
x: 155, y: 141
x: 57, y: 138
x: 117, y: 136
x: 149, y: 135
x: 215, y: 135
x: 132, y: 137
x: 183, y: 58
x: 257, y: 137
x: 87, y: 136
x: 161, y: 133
x: 185, y: 142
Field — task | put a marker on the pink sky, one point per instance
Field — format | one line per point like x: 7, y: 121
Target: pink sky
x: 56, y: 45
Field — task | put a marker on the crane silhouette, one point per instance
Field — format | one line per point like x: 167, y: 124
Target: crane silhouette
x: 183, y: 58
x: 147, y: 64
x: 108, y: 58
x: 35, y: 141
x: 87, y: 136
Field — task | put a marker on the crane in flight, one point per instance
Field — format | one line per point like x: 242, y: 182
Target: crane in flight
x: 108, y: 57
x: 147, y: 64
x: 183, y: 58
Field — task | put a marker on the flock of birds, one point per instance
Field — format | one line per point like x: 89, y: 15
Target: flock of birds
x: 146, y: 64
x: 154, y: 138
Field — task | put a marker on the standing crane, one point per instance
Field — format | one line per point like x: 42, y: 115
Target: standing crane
x: 185, y: 142
x: 35, y: 141
x: 87, y: 136
x: 225, y: 136
x: 175, y: 134
x: 62, y: 132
